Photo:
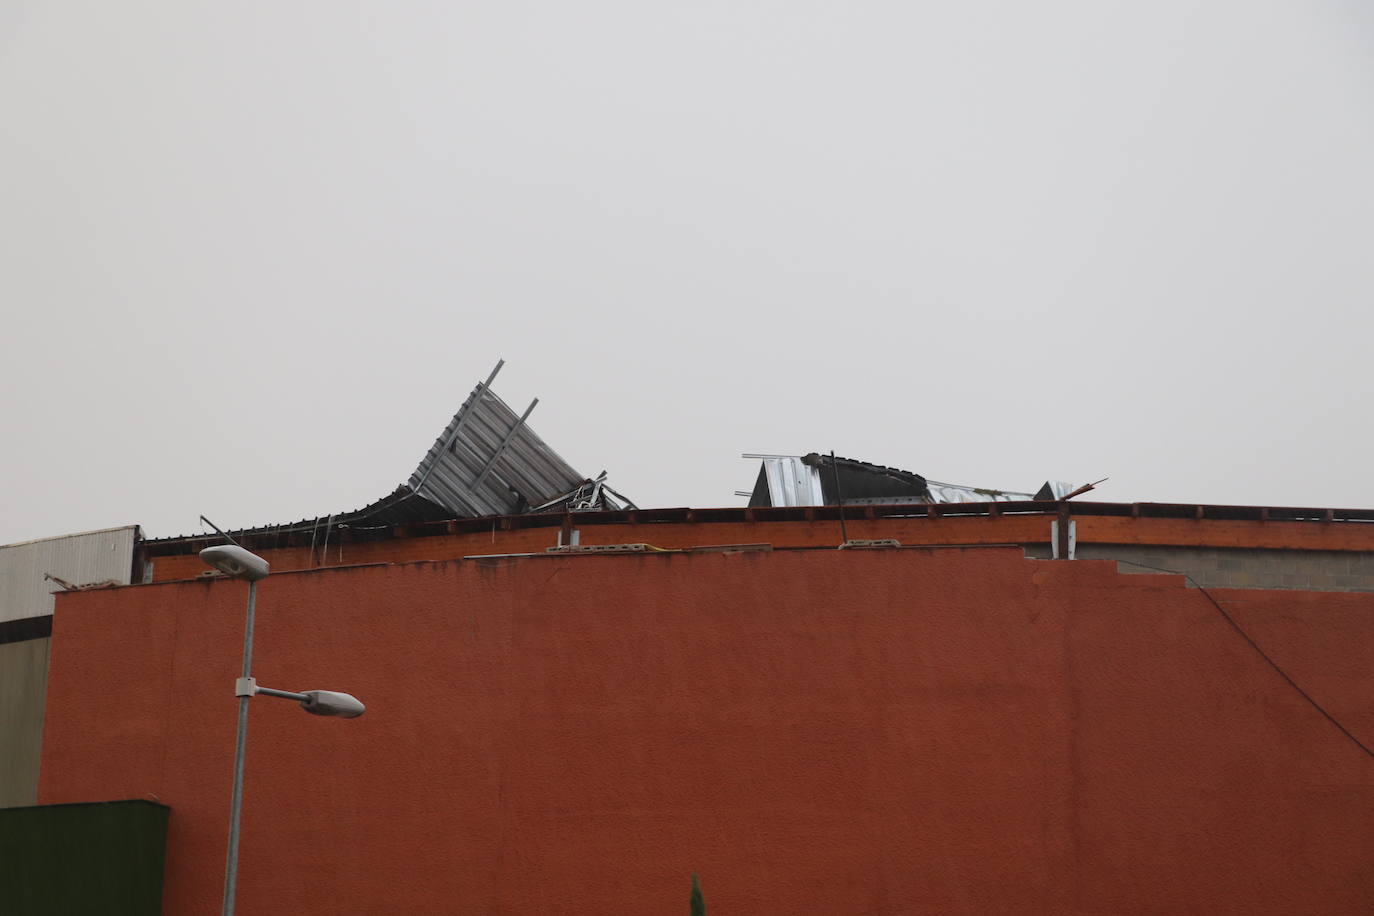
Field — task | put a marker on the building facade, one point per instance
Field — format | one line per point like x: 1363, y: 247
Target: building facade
x: 30, y: 572
x: 931, y: 728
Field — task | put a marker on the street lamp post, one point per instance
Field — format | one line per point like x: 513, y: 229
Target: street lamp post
x: 234, y: 561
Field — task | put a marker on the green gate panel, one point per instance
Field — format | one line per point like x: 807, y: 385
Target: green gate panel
x: 92, y: 858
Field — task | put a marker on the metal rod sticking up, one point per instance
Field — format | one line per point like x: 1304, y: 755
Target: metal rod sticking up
x: 219, y: 532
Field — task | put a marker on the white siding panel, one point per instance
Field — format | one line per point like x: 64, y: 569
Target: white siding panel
x: 81, y: 559
x: 793, y: 482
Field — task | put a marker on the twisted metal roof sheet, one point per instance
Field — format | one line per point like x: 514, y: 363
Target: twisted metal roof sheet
x: 489, y: 462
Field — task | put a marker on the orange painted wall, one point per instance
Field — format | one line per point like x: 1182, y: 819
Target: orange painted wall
x: 880, y: 732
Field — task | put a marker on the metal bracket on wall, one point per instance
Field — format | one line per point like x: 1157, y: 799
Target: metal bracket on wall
x: 869, y: 543
x: 607, y: 548
x: 732, y: 548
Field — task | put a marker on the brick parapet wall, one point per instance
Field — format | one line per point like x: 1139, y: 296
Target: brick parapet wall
x: 1327, y: 556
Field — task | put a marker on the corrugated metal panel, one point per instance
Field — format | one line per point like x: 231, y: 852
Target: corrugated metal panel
x: 798, y: 481
x: 954, y: 493
x: 81, y: 559
x: 488, y: 460
x: 791, y: 482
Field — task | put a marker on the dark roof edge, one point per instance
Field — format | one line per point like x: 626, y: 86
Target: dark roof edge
x: 305, y: 533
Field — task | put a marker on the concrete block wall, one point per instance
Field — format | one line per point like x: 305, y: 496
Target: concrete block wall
x: 1229, y: 567
x: 23, y: 685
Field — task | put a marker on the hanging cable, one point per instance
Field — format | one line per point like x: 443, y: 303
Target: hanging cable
x: 1262, y: 654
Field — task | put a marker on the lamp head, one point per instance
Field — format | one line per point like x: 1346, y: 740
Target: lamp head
x: 331, y: 703
x: 234, y: 561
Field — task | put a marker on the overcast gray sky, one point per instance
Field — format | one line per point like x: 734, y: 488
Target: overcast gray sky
x: 254, y: 255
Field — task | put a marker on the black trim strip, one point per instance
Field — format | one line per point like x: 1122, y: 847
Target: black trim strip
x: 25, y: 628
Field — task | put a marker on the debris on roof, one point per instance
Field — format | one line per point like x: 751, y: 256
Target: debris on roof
x: 826, y: 480
x: 84, y: 587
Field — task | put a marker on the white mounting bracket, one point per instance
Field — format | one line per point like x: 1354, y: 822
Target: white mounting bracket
x: 1072, y: 539
x: 245, y: 686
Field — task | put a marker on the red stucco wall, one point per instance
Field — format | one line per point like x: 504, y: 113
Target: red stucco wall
x: 881, y: 732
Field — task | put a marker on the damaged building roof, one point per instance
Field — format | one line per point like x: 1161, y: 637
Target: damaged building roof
x: 487, y: 461
x: 827, y: 480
